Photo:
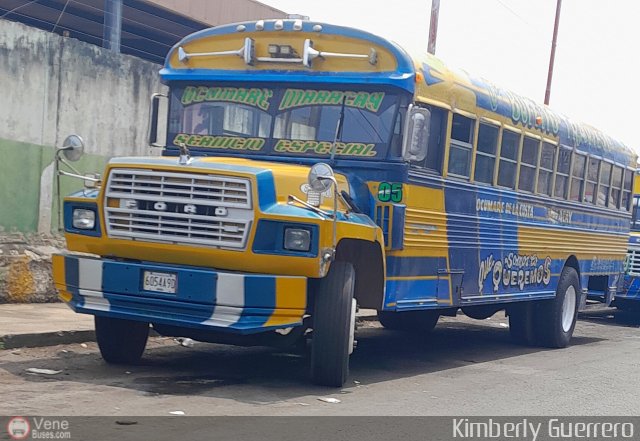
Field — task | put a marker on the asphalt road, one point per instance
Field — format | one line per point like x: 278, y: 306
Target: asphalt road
x: 465, y: 367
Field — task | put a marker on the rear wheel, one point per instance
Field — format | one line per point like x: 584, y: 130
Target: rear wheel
x: 555, y: 319
x: 412, y: 321
x: 333, y: 326
x: 121, y: 341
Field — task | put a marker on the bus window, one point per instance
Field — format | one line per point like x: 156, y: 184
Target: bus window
x: 437, y: 135
x: 562, y: 173
x: 547, y: 164
x: 461, y: 145
x: 577, y: 177
x: 626, y: 189
x: 508, y: 159
x: 605, y: 179
x: 592, y: 181
x: 528, y: 164
x: 486, y: 153
x: 616, y: 187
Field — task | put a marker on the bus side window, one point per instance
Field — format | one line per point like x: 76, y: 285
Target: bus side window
x: 605, y: 180
x: 508, y: 159
x: 528, y: 164
x: 462, y: 130
x: 437, y: 135
x: 592, y: 181
x: 616, y: 187
x: 626, y: 189
x: 486, y: 153
x: 577, y: 177
x: 547, y: 165
x: 562, y: 173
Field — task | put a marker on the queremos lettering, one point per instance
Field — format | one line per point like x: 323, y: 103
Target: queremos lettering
x: 514, y: 271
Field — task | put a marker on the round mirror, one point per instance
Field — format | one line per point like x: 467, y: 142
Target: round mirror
x: 316, y: 175
x: 73, y: 147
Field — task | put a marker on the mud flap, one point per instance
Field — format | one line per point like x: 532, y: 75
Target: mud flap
x: 582, y: 301
x: 610, y: 296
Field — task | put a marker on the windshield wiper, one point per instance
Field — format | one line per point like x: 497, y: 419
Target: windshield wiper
x: 339, y: 127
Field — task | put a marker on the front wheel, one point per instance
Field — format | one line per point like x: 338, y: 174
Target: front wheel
x: 121, y: 341
x: 333, y: 326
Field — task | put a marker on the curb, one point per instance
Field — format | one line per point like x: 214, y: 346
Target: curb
x: 37, y: 340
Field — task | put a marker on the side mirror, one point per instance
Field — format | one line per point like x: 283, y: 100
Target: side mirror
x: 157, y: 136
x: 416, y: 133
x: 72, y: 148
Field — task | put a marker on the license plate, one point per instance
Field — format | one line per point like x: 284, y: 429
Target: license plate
x: 160, y: 282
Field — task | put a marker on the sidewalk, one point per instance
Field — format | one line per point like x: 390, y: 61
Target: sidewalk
x: 42, y: 324
x: 47, y: 324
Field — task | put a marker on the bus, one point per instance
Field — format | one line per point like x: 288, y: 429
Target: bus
x: 628, y: 298
x: 309, y: 170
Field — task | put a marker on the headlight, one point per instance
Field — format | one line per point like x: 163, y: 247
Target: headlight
x: 84, y: 219
x: 296, y: 239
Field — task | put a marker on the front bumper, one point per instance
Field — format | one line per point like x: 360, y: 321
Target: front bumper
x: 205, y: 299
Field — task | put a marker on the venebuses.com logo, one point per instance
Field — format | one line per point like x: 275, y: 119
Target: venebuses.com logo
x: 18, y: 428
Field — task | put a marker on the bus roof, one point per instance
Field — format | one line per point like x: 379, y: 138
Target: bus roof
x: 460, y: 91
x: 307, y: 51
x: 310, y: 52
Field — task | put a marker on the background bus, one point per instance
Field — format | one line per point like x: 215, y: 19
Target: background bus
x: 628, y: 297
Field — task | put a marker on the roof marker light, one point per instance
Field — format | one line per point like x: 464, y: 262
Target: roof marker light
x: 317, y: 28
x: 259, y: 25
x: 241, y: 28
x: 278, y: 25
x: 297, y: 25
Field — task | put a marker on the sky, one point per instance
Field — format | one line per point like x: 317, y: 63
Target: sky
x: 508, y: 42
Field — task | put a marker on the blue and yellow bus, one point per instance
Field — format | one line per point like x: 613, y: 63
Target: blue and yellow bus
x: 311, y: 169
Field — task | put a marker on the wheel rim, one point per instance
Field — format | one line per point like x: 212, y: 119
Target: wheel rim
x: 352, y: 325
x: 568, y: 308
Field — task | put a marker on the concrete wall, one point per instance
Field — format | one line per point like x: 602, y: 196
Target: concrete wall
x: 51, y: 87
x: 217, y: 12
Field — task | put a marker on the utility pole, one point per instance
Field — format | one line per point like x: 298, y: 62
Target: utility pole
x: 433, y: 26
x: 112, y: 25
x: 547, y: 93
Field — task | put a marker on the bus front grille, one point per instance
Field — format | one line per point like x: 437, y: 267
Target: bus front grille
x: 633, y: 262
x: 180, y: 208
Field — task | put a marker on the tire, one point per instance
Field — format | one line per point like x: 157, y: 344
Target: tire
x: 521, y: 319
x: 333, y: 321
x: 409, y: 321
x: 121, y: 341
x: 555, y: 319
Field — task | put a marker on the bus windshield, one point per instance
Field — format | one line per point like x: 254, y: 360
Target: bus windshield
x: 285, y: 120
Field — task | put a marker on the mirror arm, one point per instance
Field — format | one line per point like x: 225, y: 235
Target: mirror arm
x: 66, y: 163
x: 294, y: 200
x: 79, y: 176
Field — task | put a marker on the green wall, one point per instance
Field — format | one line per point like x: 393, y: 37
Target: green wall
x: 21, y: 167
